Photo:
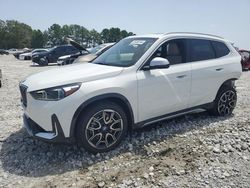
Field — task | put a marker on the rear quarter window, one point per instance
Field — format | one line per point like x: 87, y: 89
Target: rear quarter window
x: 220, y: 49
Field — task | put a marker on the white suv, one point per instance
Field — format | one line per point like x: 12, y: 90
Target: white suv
x: 139, y: 81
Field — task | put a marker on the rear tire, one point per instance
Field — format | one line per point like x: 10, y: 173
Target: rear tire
x: 101, y: 127
x: 225, y: 102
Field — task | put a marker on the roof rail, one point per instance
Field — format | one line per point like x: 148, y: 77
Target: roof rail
x: 194, y: 33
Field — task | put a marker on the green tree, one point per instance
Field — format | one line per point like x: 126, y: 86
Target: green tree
x: 95, y: 37
x: 17, y: 35
x: 105, y: 35
x: 85, y: 37
x: 14, y: 34
x: 114, y: 34
x: 76, y: 32
x: 37, y: 40
x: 55, y: 35
x: 123, y: 34
x: 2, y: 34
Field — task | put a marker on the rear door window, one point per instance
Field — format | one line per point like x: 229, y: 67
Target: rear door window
x: 200, y: 49
x: 220, y: 49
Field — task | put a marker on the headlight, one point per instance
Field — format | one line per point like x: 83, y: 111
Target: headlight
x: 55, y: 93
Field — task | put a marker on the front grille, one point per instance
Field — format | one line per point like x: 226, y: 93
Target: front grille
x: 23, y: 90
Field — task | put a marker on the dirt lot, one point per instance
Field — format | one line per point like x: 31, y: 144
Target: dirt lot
x: 192, y: 151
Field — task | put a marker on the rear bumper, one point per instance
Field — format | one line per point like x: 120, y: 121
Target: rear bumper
x: 54, y: 136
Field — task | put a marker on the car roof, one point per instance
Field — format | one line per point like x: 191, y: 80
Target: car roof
x: 180, y: 34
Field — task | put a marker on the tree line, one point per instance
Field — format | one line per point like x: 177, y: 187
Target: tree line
x: 14, y: 34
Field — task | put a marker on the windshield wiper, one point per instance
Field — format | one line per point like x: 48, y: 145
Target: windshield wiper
x: 101, y: 63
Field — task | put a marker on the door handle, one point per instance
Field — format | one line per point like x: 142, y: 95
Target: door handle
x: 182, y: 76
x: 219, y: 69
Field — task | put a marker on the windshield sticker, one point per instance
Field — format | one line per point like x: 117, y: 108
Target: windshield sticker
x: 137, y: 42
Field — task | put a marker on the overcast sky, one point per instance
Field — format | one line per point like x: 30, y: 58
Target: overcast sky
x: 227, y: 18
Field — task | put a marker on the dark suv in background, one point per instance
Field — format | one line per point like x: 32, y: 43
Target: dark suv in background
x: 51, y: 56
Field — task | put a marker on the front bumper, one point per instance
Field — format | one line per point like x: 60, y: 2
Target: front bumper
x: 56, y: 135
x: 21, y: 57
x: 60, y: 62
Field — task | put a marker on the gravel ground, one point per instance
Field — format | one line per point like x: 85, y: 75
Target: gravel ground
x: 191, y: 151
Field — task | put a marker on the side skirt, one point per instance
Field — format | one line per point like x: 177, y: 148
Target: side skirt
x: 197, y: 109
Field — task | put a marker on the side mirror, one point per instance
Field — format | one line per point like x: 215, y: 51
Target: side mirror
x: 157, y: 63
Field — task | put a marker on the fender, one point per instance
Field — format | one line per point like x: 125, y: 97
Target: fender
x: 98, y: 98
x: 229, y: 82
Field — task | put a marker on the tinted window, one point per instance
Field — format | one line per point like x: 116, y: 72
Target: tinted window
x: 59, y: 49
x: 200, y: 50
x: 220, y: 49
x: 174, y: 51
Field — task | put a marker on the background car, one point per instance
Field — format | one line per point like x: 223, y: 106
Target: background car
x: 3, y: 52
x: 27, y: 55
x: 51, y: 56
x: 94, y: 52
x: 68, y: 59
x: 17, y: 53
x: 245, y: 59
x: 12, y: 50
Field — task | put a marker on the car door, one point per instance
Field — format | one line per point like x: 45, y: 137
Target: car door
x: 55, y: 54
x: 208, y: 71
x: 163, y: 91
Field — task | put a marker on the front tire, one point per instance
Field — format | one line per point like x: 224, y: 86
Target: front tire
x: 43, y: 61
x: 102, y: 127
x: 225, y: 102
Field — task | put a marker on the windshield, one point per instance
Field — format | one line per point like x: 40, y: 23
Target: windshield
x: 126, y: 52
x: 51, y: 49
x: 96, y: 49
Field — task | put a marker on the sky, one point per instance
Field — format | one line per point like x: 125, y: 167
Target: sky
x: 226, y: 18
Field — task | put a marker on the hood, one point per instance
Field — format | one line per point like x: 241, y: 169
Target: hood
x: 76, y: 45
x: 70, y: 74
x: 85, y: 58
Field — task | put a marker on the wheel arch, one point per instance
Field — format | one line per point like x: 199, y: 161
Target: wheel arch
x: 113, y: 97
x: 229, y: 82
